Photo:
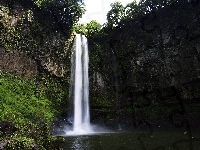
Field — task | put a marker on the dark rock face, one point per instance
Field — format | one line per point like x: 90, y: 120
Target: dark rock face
x: 61, y: 125
x: 165, y: 73
x: 3, y: 144
x: 169, y: 56
x: 161, y: 77
x: 7, y: 128
x: 17, y: 63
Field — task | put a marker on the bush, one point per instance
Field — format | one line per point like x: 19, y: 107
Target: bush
x: 31, y: 115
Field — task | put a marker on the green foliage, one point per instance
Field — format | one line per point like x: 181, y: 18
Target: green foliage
x: 56, y: 92
x: 89, y: 29
x: 19, y: 101
x: 30, y: 136
x: 41, y: 29
x: 131, y: 10
x: 116, y: 14
x: 66, y: 12
x: 80, y: 29
x: 30, y: 114
x: 92, y: 28
x: 101, y: 100
x: 20, y: 142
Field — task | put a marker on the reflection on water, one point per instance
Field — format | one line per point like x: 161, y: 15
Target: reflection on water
x: 80, y: 143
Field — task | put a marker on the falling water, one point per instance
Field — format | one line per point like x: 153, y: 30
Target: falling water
x: 80, y: 88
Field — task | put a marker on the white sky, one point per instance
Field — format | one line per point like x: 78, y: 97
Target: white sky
x: 97, y: 9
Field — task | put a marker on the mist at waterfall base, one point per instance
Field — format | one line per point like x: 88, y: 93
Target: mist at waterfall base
x: 79, y: 115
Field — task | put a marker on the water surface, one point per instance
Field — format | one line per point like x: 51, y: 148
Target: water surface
x: 136, y: 140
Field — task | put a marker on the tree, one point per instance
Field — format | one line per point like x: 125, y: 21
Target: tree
x: 93, y: 28
x: 116, y: 14
x: 131, y: 10
x: 89, y: 29
x: 60, y: 15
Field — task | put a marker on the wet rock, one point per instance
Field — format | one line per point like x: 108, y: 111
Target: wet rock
x: 3, y: 144
x: 7, y: 128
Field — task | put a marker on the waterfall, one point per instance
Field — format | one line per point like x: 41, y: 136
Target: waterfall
x: 80, y: 86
